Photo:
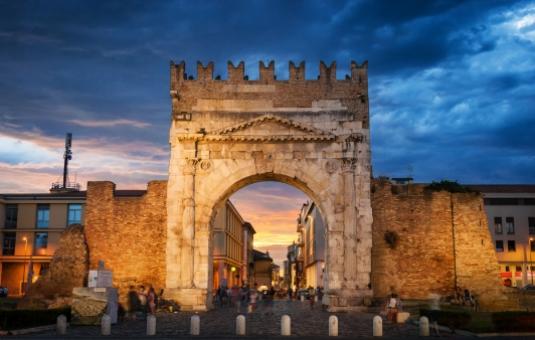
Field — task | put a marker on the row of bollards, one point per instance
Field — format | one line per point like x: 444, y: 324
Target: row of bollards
x: 286, y: 325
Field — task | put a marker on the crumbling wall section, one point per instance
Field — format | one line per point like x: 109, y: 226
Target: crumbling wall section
x: 430, y: 242
x: 128, y: 233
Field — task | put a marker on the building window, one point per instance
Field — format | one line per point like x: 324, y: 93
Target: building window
x: 11, y: 216
x: 8, y: 247
x: 507, y: 268
x: 499, y: 245
x: 531, y: 225
x: 41, y: 243
x: 510, y: 223
x: 518, y: 268
x: 498, y: 227
x: 532, y: 245
x: 74, y: 214
x: 511, y: 245
x: 43, y: 215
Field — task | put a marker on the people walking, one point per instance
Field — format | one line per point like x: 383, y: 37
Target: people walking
x: 311, y: 296
x: 151, y: 300
x: 393, y: 306
x: 142, y: 296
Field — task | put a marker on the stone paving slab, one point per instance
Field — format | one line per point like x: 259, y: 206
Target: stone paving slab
x: 262, y: 323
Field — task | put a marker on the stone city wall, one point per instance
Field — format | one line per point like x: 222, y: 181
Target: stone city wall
x: 128, y: 233
x: 442, y: 241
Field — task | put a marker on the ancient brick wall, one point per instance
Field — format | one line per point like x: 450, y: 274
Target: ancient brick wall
x: 128, y: 233
x: 443, y: 241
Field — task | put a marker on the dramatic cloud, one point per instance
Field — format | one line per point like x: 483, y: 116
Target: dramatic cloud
x: 451, y: 83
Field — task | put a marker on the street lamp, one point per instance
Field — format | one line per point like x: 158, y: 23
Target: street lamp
x: 25, y: 239
x: 531, y: 239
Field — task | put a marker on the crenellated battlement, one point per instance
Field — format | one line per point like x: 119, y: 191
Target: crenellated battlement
x: 207, y: 92
x: 236, y: 74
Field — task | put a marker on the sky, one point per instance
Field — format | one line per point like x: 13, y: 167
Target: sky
x: 451, y: 83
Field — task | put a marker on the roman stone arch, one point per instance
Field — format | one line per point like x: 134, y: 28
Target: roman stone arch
x: 312, y: 134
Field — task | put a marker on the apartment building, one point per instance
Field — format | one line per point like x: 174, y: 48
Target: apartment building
x: 233, y: 259
x: 510, y: 213
x: 311, y: 230
x: 31, y: 225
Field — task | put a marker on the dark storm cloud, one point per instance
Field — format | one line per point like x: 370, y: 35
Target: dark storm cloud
x: 451, y: 82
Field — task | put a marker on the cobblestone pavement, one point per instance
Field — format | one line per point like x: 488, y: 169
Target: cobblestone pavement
x: 262, y: 323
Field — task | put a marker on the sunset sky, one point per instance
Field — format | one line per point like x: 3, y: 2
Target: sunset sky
x: 272, y: 208
x: 451, y: 85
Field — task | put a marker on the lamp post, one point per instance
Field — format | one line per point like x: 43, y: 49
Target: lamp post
x: 531, y: 239
x: 25, y: 239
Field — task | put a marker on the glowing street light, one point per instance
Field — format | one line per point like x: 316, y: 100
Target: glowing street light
x: 25, y: 239
x: 531, y: 239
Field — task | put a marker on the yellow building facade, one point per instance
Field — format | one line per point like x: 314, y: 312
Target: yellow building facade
x: 31, y: 225
x: 233, y: 244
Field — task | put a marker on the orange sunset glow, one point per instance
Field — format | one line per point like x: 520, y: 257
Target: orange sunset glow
x: 272, y: 208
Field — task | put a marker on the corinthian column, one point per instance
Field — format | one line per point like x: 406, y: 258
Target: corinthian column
x: 188, y: 225
x: 350, y: 223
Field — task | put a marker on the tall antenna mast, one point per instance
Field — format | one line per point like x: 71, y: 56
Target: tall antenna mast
x: 67, y: 156
x: 65, y: 185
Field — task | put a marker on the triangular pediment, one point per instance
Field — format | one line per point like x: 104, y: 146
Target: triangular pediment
x: 270, y: 128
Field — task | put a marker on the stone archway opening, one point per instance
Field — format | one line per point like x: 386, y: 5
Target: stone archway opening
x: 267, y: 233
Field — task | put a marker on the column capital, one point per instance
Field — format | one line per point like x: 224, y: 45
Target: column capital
x: 189, y: 166
x: 349, y: 164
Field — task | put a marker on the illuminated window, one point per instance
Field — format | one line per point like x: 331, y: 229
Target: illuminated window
x: 41, y: 243
x: 43, y: 215
x: 74, y: 215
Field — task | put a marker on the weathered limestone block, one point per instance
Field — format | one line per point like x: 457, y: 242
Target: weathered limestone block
x: 90, y: 304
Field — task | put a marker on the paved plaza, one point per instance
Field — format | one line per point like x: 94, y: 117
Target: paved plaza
x: 262, y: 323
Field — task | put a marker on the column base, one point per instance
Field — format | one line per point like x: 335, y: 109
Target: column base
x: 349, y: 300
x: 189, y: 299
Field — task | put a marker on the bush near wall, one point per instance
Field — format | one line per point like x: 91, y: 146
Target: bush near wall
x: 22, y: 318
x: 450, y: 319
x: 514, y: 321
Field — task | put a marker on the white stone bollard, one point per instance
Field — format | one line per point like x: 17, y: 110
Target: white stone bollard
x: 195, y: 326
x: 61, y: 325
x: 105, y: 325
x: 240, y: 325
x: 286, y: 325
x: 424, y: 326
x: 377, y: 326
x: 151, y: 325
x: 333, y: 325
